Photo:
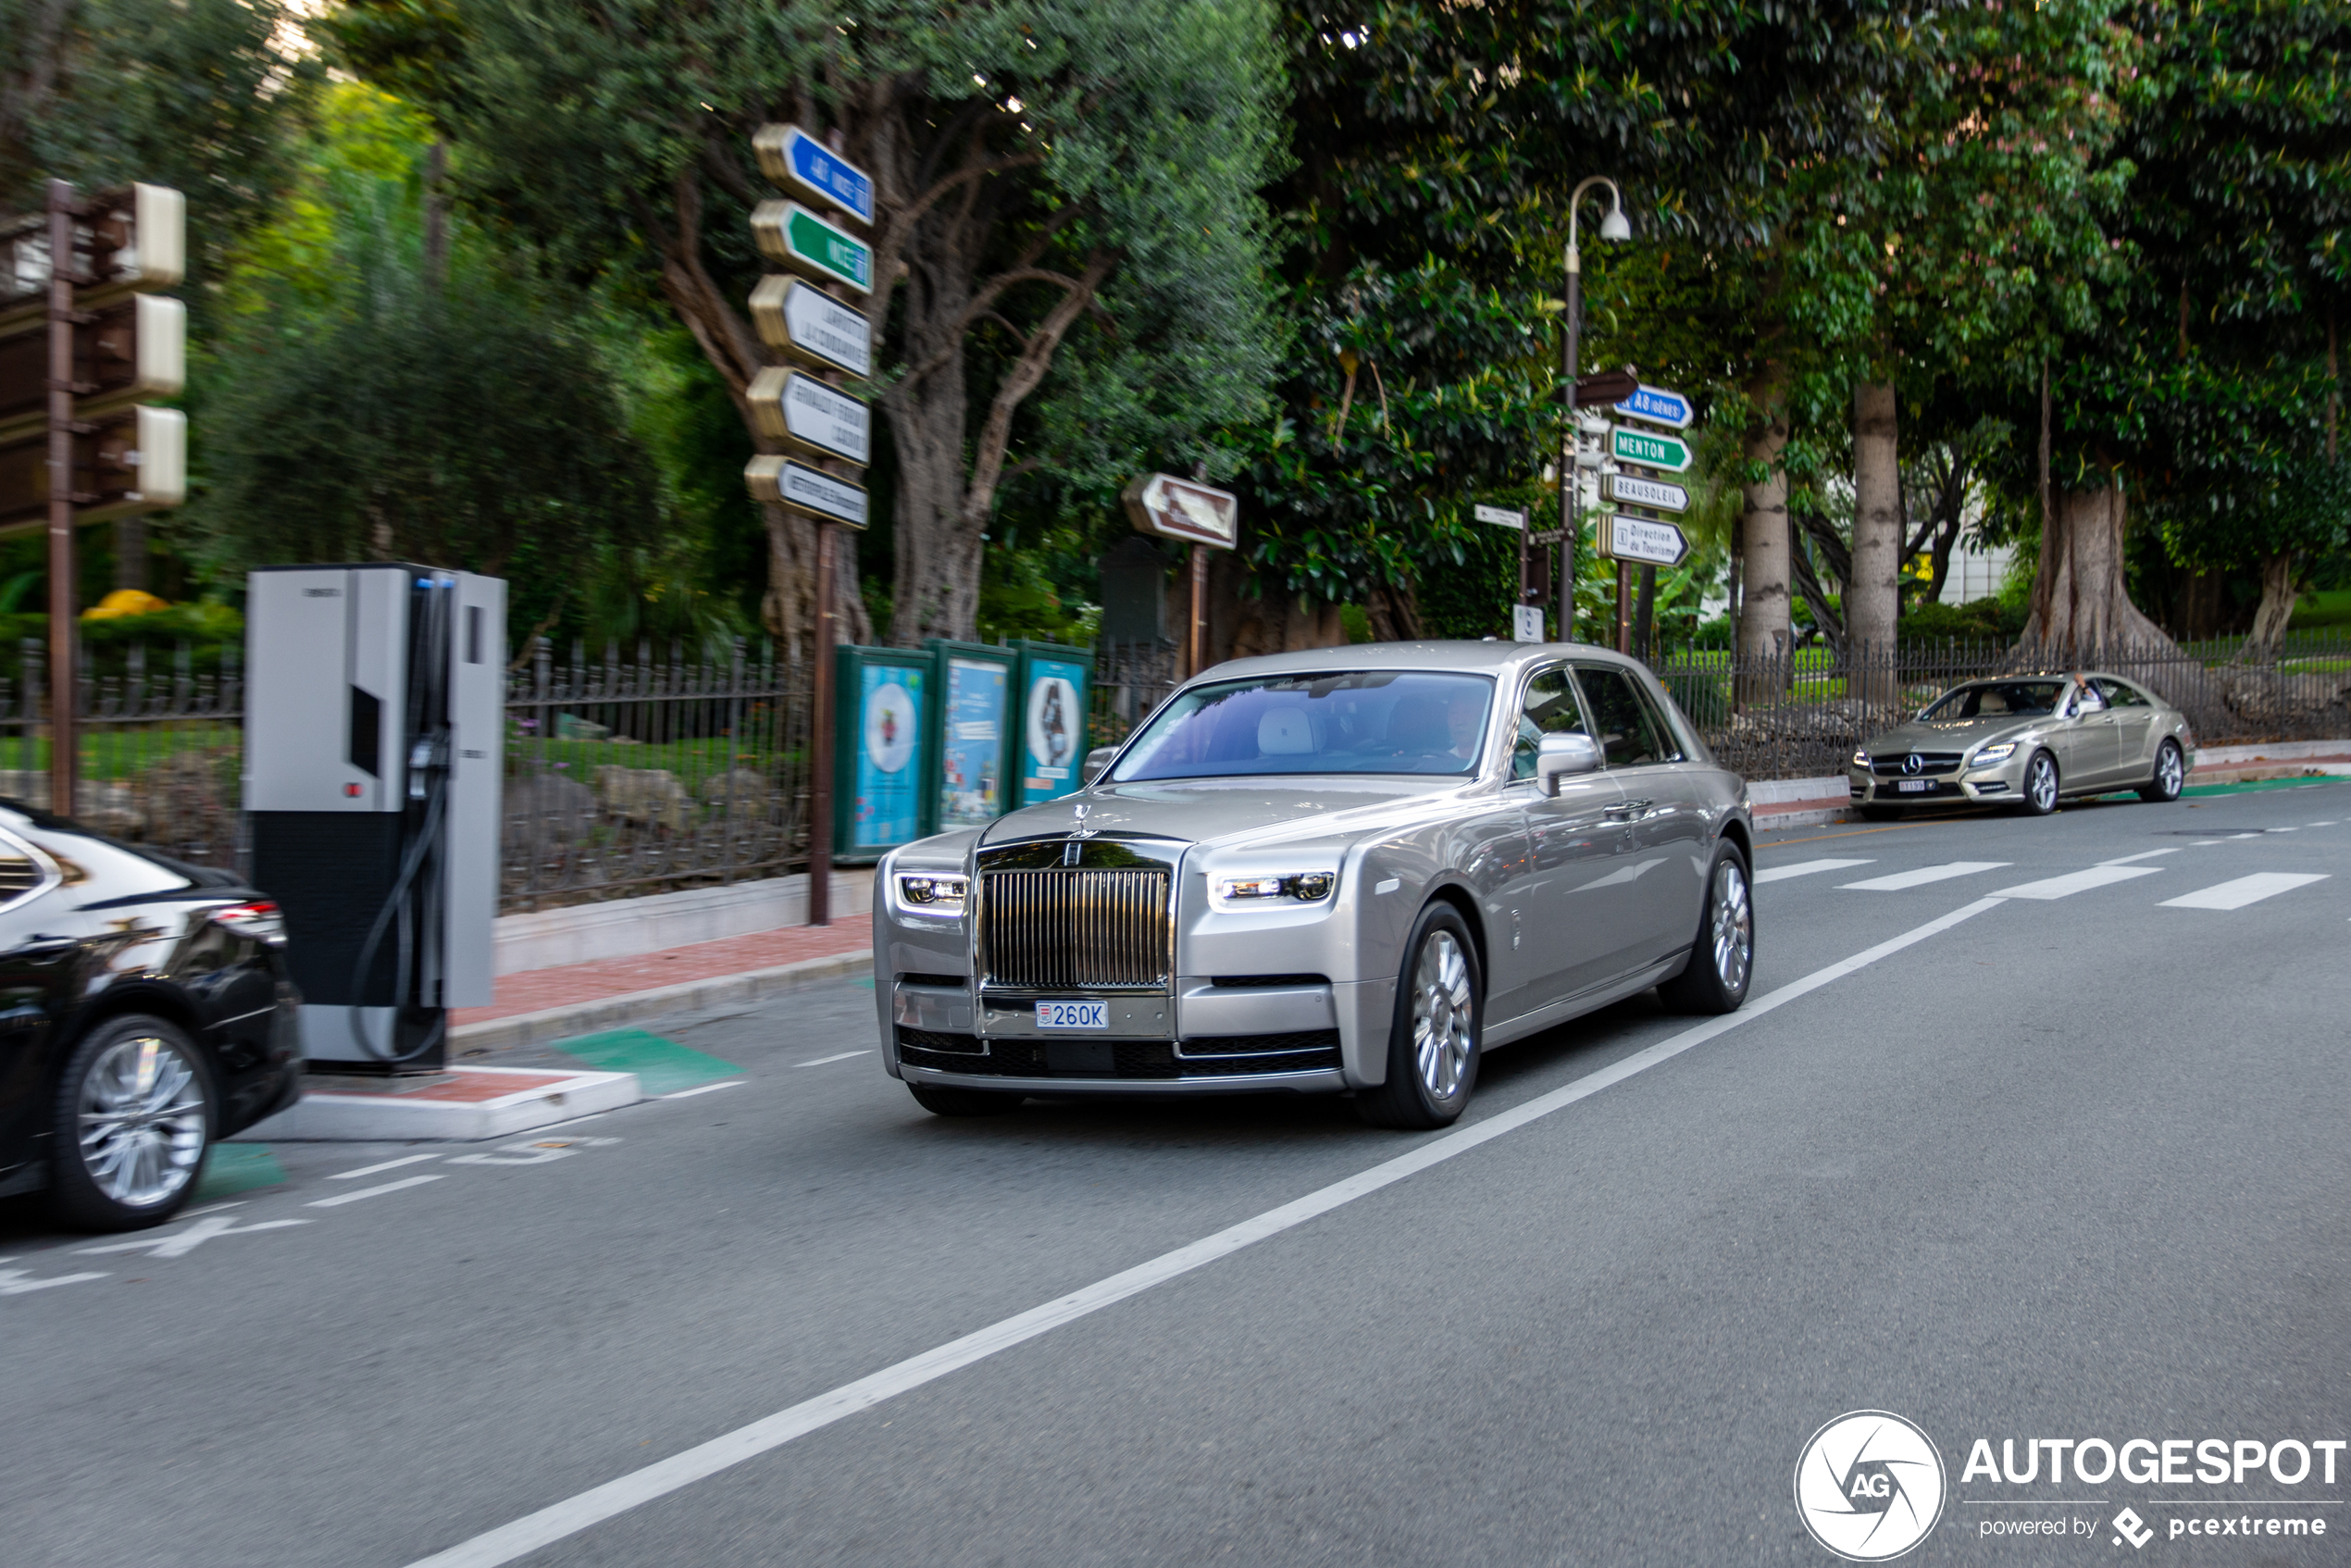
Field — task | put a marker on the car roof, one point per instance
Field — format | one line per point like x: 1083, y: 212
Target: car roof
x: 1481, y: 658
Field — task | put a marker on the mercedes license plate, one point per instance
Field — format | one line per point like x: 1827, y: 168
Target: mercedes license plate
x: 1073, y: 1015
x: 1914, y: 786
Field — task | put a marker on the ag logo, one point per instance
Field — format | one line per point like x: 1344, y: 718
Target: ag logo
x: 1868, y: 1485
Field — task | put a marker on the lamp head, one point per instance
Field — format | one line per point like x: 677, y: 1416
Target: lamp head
x: 1616, y: 226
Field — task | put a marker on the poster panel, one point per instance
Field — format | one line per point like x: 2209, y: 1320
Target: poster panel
x: 1052, y: 738
x: 976, y: 700
x: 885, y: 728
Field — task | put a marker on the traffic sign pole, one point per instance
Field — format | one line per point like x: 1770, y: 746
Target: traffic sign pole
x: 63, y: 743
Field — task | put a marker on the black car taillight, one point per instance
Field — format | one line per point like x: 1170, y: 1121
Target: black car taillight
x: 261, y: 920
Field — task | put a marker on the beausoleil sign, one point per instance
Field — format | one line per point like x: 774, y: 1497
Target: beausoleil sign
x: 794, y: 159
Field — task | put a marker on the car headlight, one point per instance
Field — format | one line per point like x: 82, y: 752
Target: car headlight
x: 923, y: 893
x: 1861, y: 760
x: 1264, y: 891
x: 1991, y: 756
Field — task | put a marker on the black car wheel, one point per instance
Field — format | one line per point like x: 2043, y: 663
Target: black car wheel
x: 1722, y: 958
x: 134, y: 1118
x: 2170, y: 775
x: 1432, y: 1041
x: 942, y: 1100
x: 2041, y: 786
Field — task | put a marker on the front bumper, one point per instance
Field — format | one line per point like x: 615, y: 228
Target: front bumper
x: 1983, y: 786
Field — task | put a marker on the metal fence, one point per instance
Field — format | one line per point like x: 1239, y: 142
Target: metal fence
x: 651, y: 772
x: 624, y: 776
x: 1803, y: 715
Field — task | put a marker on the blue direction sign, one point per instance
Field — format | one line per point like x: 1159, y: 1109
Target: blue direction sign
x: 789, y: 156
x: 1656, y: 405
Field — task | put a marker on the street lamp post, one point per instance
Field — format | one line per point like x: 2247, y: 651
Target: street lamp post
x: 1615, y: 225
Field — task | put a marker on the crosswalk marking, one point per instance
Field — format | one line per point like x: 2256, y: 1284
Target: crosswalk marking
x: 1923, y: 875
x: 1806, y: 868
x: 2245, y: 890
x: 2149, y: 854
x: 2076, y: 882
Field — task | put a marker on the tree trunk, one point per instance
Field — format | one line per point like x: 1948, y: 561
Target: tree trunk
x: 2279, y: 593
x: 131, y: 551
x: 436, y: 249
x: 2081, y: 607
x: 1766, y: 626
x: 1874, y: 588
x: 1240, y: 627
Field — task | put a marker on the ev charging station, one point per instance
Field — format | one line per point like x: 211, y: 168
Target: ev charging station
x: 375, y: 728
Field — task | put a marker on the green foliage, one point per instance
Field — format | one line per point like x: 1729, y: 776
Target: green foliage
x: 365, y: 409
x: 1979, y: 620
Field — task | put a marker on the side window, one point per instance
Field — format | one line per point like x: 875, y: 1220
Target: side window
x: 1550, y: 709
x: 1632, y: 732
x: 2088, y: 700
x: 2121, y: 695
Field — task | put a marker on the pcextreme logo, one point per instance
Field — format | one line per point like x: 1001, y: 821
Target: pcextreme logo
x: 1870, y: 1485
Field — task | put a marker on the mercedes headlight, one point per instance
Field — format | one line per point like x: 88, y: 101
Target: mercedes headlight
x: 1274, y: 889
x: 1861, y: 760
x: 1992, y: 756
x: 924, y: 892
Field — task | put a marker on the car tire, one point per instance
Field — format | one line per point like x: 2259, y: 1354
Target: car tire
x: 940, y: 1100
x: 133, y: 1118
x: 1722, y: 962
x: 1879, y: 813
x: 1433, y: 1039
x: 2170, y: 775
x: 2041, y: 787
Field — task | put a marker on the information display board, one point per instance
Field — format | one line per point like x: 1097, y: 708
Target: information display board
x: 971, y: 787
x: 881, y: 742
x: 1054, y: 687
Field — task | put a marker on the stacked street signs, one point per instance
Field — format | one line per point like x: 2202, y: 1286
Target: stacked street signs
x: 1624, y: 535
x: 801, y: 409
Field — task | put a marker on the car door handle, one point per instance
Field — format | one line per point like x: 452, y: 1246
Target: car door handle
x: 1626, y: 811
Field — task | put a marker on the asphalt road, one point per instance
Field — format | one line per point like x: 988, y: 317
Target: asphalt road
x: 2067, y: 1166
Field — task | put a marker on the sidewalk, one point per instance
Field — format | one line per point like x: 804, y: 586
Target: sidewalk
x: 577, y: 999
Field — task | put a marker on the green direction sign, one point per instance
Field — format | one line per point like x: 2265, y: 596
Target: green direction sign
x: 1649, y: 450
x: 790, y: 235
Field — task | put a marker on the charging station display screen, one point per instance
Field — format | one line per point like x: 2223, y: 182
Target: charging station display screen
x: 888, y: 807
x: 970, y: 748
x: 1052, y: 740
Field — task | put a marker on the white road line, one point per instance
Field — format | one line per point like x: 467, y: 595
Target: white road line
x: 179, y: 1244
x: 2076, y: 882
x: 574, y: 1514
x: 19, y: 1282
x: 843, y: 1057
x: 2244, y: 890
x: 2150, y: 854
x: 2322, y: 825
x: 1923, y: 876
x: 2203, y: 842
x: 2244, y: 835
x: 1806, y: 868
x: 703, y: 1089
x: 387, y: 1165
x: 371, y: 1191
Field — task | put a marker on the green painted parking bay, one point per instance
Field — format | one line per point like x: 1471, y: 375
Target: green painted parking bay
x: 663, y: 1066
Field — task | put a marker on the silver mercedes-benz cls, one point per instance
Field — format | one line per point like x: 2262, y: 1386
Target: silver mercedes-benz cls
x: 2026, y: 741
x: 1351, y: 870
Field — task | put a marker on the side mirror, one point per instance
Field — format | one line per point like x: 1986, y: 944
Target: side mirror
x: 1097, y: 760
x: 1557, y: 756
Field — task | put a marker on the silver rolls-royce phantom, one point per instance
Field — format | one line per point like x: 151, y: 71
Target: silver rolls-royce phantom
x: 1351, y: 870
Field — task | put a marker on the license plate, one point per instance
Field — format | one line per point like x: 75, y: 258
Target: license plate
x: 1914, y: 786
x: 1073, y: 1015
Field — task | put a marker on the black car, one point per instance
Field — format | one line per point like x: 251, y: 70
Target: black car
x: 144, y: 1012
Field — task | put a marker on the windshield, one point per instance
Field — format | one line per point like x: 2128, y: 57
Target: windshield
x: 1404, y: 721
x: 1998, y: 698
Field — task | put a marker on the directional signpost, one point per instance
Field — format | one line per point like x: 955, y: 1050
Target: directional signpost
x: 790, y: 235
x: 1629, y: 538
x: 1500, y: 516
x: 794, y: 407
x: 791, y: 158
x: 800, y: 319
x: 806, y: 412
x: 1204, y: 517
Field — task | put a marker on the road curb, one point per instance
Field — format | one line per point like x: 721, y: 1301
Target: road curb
x: 634, y: 1007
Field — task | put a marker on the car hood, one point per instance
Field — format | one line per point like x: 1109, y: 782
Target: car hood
x: 1959, y: 735
x: 1223, y: 810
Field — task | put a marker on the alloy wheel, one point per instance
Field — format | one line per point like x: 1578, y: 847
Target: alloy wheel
x: 142, y: 1116
x: 2169, y: 771
x: 2043, y: 784
x: 1734, y: 927
x: 1444, y: 1014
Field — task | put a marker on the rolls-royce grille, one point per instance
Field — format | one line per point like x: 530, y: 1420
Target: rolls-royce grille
x: 1078, y: 930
